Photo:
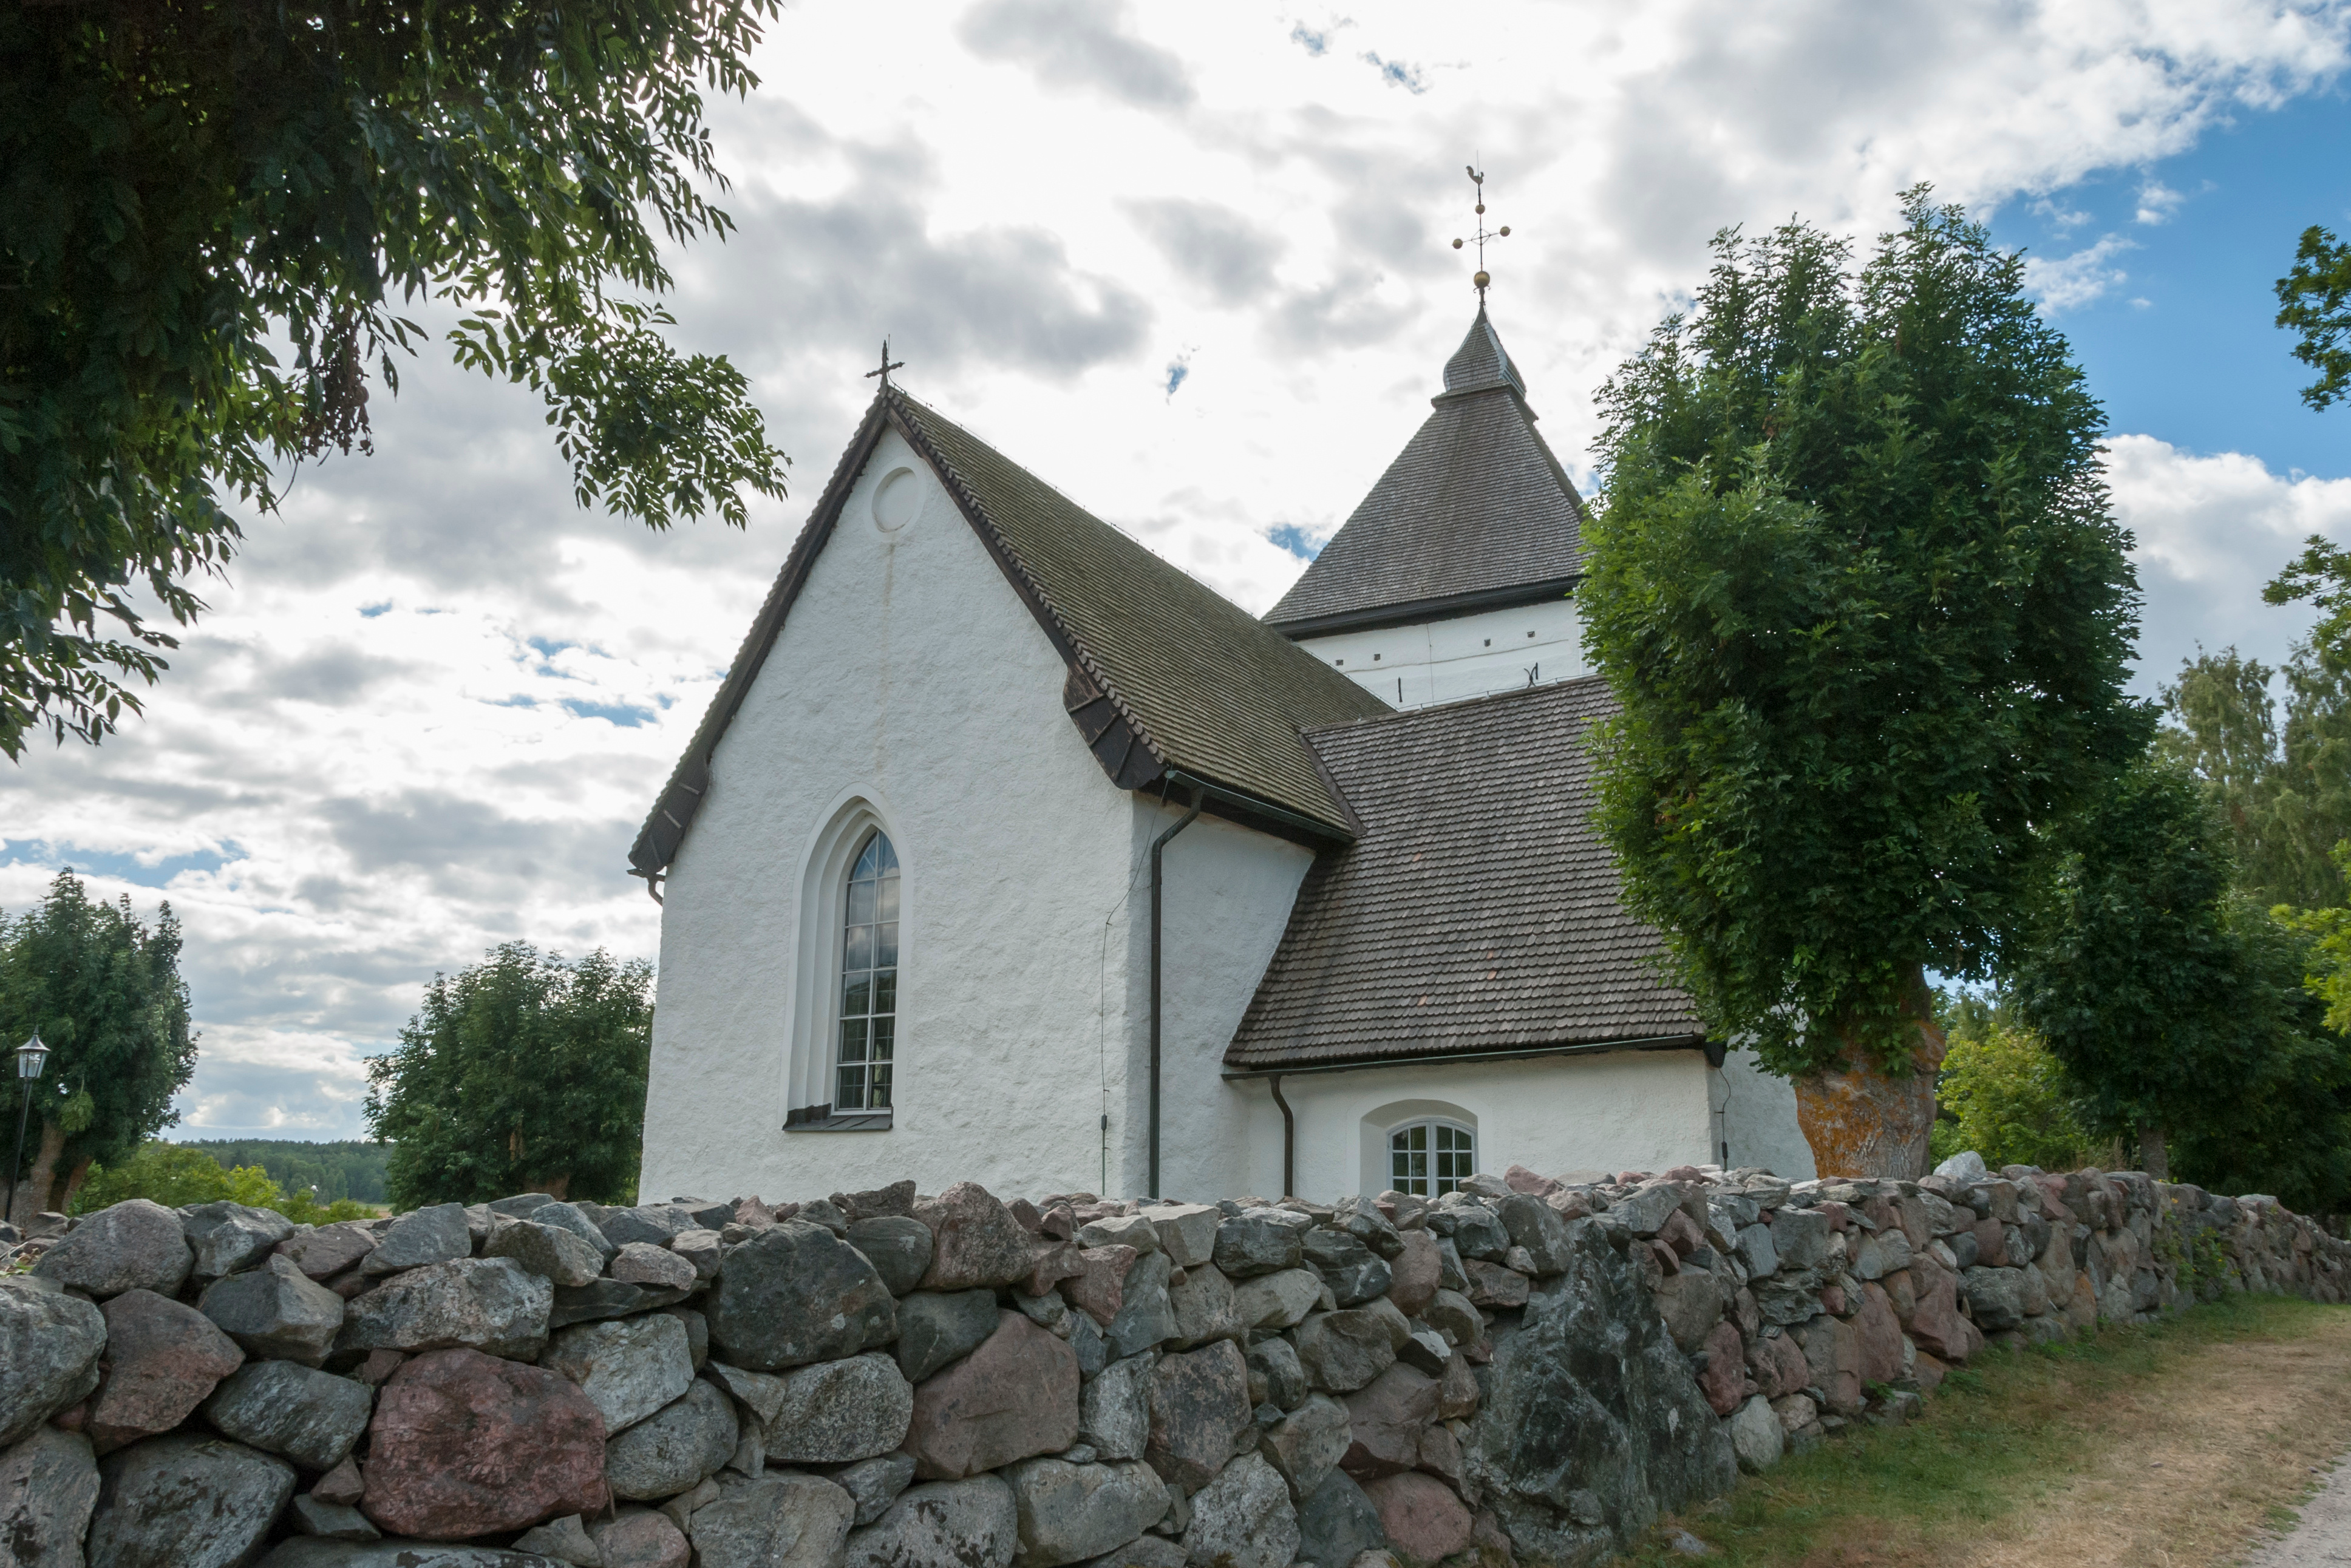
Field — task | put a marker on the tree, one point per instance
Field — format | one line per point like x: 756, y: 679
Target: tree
x: 2002, y: 1094
x: 523, y: 1074
x: 1859, y: 594
x: 2315, y: 303
x: 104, y: 992
x: 2283, y: 788
x: 2177, y: 1007
x: 215, y: 211
x: 177, y: 1174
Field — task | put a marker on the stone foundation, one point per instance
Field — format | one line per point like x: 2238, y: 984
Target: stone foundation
x: 1529, y: 1367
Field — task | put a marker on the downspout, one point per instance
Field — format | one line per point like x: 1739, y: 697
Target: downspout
x: 1158, y: 844
x: 1289, y: 1141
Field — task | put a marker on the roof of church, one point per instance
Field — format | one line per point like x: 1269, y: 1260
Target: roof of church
x: 1477, y: 910
x: 1164, y: 672
x: 1474, y: 514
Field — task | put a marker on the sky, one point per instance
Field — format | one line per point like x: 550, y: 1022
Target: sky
x: 1191, y: 264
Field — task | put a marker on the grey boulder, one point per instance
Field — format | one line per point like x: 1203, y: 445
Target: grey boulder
x: 49, y: 1347
x: 1243, y: 1518
x: 897, y: 1245
x: 550, y: 1251
x: 1114, y: 1408
x: 936, y: 1328
x: 276, y: 1311
x: 567, y: 1217
x: 874, y: 1484
x: 1145, y: 1315
x: 494, y: 1305
x: 1276, y: 1300
x: 971, y: 1523
x: 230, y: 1237
x: 1338, y: 1523
x: 796, y: 1293
x: 673, y: 1449
x: 420, y: 1237
x: 839, y: 1412
x: 135, y: 1245
x: 182, y: 1501
x: 1305, y: 1445
x: 306, y: 1551
x: 311, y: 1417
x: 1250, y: 1244
x: 312, y: 1515
x: 782, y: 1521
x: 48, y: 1484
x: 629, y: 1368
x: 1068, y: 1513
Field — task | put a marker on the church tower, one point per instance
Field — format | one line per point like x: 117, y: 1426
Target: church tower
x: 1452, y: 579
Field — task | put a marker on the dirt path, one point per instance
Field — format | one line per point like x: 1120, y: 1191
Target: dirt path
x: 2324, y: 1536
x: 2210, y: 1456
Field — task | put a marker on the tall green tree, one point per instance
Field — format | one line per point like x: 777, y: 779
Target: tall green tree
x: 2315, y: 304
x: 103, y: 989
x: 524, y: 1073
x: 1860, y: 594
x: 2282, y: 780
x: 216, y: 212
x: 2178, y: 1007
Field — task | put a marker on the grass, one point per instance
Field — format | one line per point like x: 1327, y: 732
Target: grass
x: 2241, y: 1399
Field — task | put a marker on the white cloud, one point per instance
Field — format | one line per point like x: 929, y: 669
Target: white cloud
x: 2211, y: 530
x: 1047, y: 204
x: 2158, y: 202
x: 2079, y: 278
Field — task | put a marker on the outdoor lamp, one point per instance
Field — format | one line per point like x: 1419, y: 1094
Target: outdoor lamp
x: 31, y: 1057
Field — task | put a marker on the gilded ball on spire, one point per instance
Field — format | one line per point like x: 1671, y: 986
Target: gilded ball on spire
x: 1481, y: 280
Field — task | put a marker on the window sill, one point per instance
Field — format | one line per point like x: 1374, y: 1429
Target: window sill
x: 824, y: 1119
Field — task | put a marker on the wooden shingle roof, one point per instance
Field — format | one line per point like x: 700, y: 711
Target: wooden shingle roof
x: 1478, y: 910
x: 1474, y: 514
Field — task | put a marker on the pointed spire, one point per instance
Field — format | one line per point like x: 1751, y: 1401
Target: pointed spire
x: 1481, y: 364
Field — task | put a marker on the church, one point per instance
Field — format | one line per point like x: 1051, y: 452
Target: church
x: 1010, y: 852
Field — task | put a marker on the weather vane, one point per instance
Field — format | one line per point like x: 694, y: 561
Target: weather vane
x: 888, y: 364
x: 1481, y: 279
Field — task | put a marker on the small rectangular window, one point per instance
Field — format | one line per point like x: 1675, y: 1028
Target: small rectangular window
x: 1430, y: 1159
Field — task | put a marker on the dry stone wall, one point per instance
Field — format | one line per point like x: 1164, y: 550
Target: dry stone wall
x: 1529, y: 1368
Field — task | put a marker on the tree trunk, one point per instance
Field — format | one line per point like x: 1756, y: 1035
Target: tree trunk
x: 2153, y: 1155
x: 41, y: 1174
x: 63, y: 1201
x: 1862, y: 1123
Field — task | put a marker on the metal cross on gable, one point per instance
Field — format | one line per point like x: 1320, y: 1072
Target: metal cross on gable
x: 1481, y: 279
x: 888, y: 364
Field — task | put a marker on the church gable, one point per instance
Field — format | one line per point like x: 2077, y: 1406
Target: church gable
x: 1162, y: 674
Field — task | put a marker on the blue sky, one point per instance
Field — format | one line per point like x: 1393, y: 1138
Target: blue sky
x: 432, y: 699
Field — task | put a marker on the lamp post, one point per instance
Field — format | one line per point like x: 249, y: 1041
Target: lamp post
x: 31, y: 1057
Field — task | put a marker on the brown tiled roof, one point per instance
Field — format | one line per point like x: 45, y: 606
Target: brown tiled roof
x: 1474, y: 512
x: 1477, y: 909
x: 1164, y: 672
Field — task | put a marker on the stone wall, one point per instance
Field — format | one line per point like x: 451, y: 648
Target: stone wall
x: 1527, y: 1368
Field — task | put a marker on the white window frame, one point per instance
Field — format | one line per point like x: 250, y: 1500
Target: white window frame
x: 1438, y: 1128
x: 894, y: 881
x: 814, y: 1025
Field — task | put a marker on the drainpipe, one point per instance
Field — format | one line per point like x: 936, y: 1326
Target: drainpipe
x: 1289, y: 1141
x: 1158, y: 844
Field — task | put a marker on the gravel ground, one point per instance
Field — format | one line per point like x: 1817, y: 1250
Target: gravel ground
x: 2323, y: 1538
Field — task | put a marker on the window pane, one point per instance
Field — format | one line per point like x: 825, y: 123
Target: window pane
x: 885, y: 945
x: 850, y: 1093
x: 869, y: 859
x: 1400, y: 1174
x: 861, y: 904
x: 856, y: 994
x: 858, y: 947
x: 885, y: 1030
x: 885, y: 859
x: 886, y: 992
x: 852, y: 1040
x: 880, y: 1100
x: 886, y: 891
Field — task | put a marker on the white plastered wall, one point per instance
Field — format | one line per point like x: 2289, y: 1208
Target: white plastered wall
x: 1465, y: 656
x: 908, y: 676
x: 1756, y: 1116
x: 1609, y: 1111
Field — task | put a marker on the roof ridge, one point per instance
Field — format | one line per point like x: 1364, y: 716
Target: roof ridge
x: 970, y: 497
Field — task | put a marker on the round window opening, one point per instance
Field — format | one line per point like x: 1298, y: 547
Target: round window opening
x: 896, y: 500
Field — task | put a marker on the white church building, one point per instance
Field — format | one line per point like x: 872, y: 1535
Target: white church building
x: 1007, y: 851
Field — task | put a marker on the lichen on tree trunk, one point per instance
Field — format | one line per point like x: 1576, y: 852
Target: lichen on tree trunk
x: 1863, y: 1122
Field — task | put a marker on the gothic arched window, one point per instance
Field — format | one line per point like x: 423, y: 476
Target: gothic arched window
x: 869, y: 980
x: 1430, y: 1159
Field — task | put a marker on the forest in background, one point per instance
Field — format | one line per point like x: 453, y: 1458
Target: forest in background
x: 348, y: 1168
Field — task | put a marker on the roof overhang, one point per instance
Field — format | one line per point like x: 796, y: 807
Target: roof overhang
x: 1715, y: 1051
x: 1413, y: 611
